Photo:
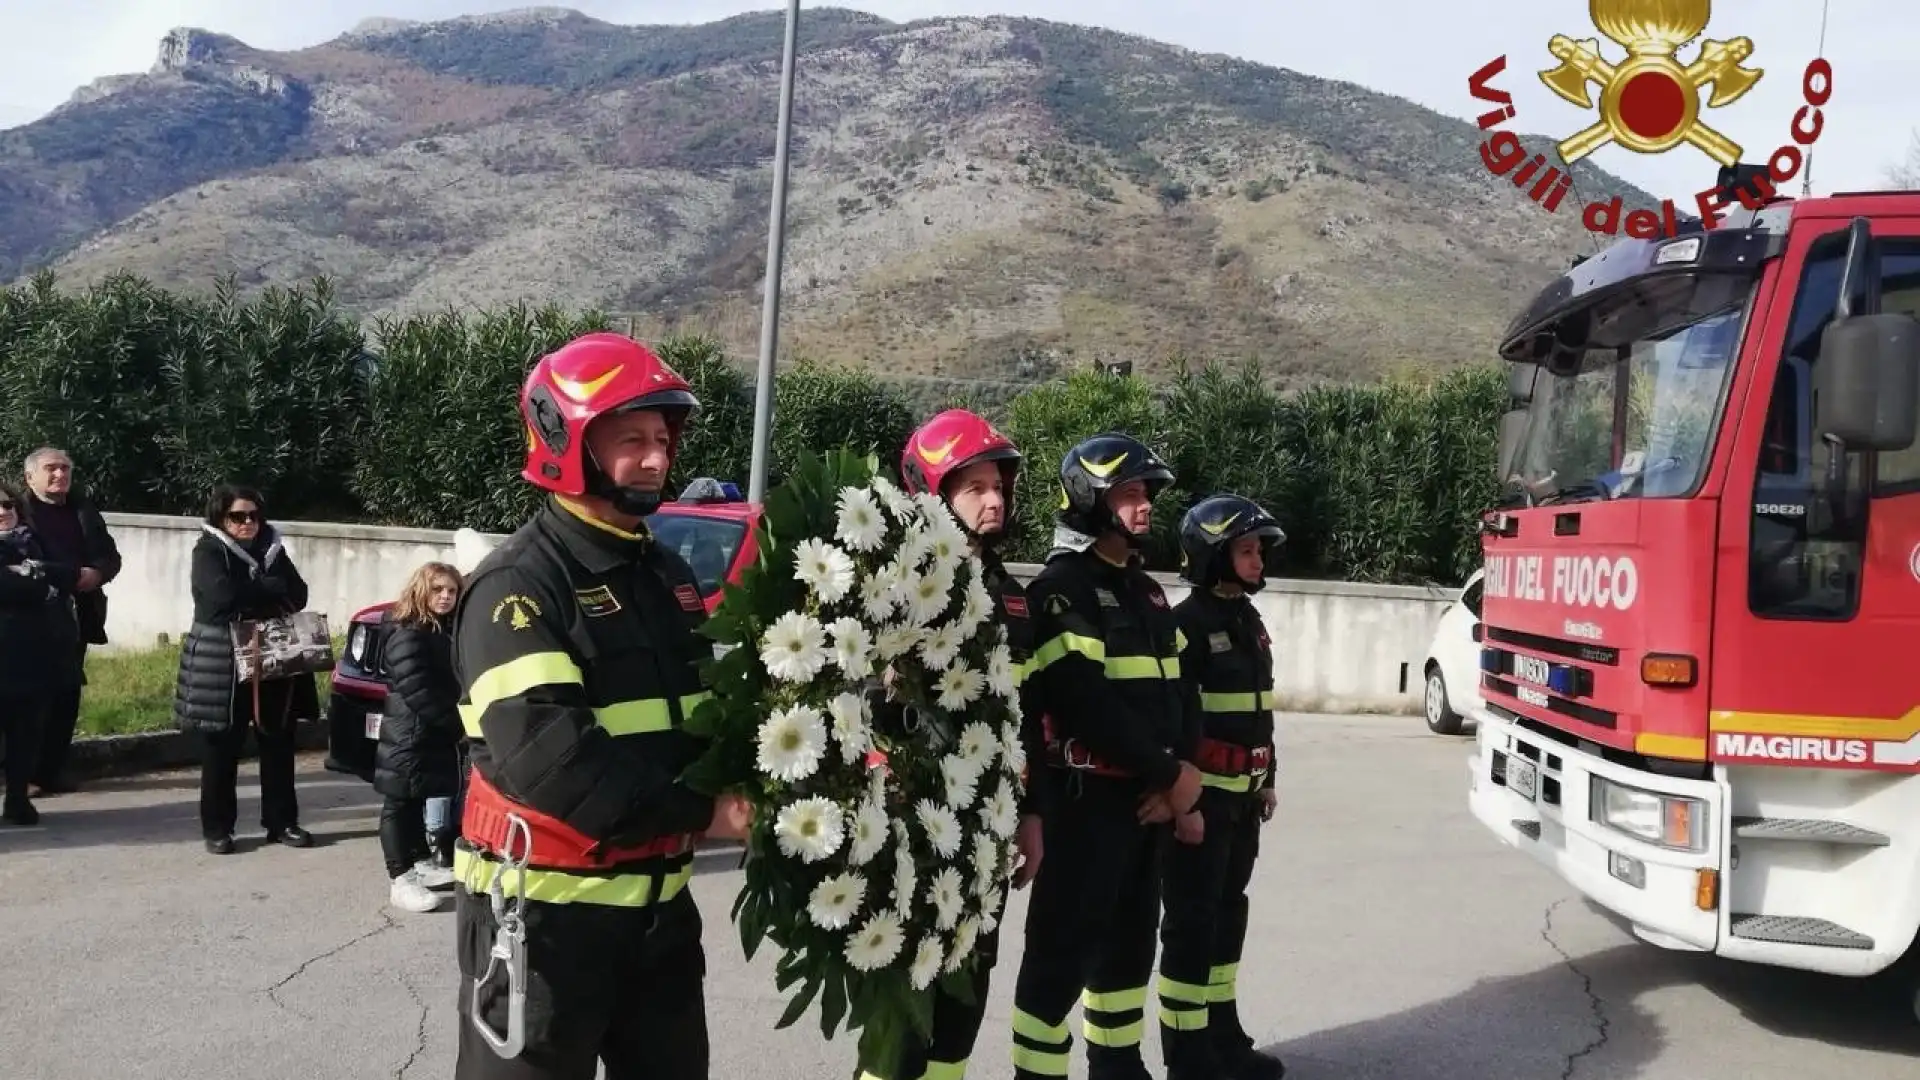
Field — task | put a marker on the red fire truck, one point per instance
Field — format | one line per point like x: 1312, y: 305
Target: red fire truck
x: 1702, y: 586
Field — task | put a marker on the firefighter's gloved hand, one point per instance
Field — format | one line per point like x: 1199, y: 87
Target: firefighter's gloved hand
x: 1190, y: 828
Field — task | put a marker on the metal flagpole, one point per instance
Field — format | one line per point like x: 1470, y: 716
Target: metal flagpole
x: 776, y: 253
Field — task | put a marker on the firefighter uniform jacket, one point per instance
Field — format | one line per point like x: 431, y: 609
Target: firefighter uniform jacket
x: 1229, y: 658
x: 578, y: 663
x: 1010, y: 605
x: 1105, y: 673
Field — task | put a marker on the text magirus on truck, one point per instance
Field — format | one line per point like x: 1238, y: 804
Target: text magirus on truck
x: 1700, y: 581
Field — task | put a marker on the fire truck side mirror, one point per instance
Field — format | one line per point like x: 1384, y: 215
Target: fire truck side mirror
x: 1866, y: 385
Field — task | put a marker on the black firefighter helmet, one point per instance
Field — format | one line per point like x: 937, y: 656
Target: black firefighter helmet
x: 1209, y: 530
x: 1088, y: 472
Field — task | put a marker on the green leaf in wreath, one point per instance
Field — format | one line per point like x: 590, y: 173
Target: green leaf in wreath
x: 919, y: 1005
x: 789, y: 970
x: 959, y: 985
x: 833, y: 1006
x: 798, y: 1006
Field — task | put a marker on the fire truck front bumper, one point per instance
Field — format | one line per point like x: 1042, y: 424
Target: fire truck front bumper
x: 1647, y: 847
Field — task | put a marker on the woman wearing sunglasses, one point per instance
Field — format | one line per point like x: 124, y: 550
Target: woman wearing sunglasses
x: 37, y: 628
x: 241, y: 572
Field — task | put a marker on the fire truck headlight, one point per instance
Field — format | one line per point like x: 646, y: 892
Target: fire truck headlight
x: 357, y: 643
x: 1663, y: 820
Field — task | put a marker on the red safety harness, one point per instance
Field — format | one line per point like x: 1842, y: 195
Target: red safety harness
x: 555, y: 845
x: 1232, y: 759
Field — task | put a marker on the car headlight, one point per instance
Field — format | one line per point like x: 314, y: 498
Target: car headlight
x: 357, y: 643
x: 1667, y: 821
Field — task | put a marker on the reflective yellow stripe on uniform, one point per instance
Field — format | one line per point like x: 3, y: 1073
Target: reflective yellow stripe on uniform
x: 1229, y: 783
x: 1117, y: 667
x: 935, y: 1070
x: 645, y: 715
x: 1221, y: 980
x: 513, y: 678
x: 564, y: 887
x: 1113, y: 1018
x: 1183, y: 1005
x: 1237, y: 703
x: 1040, y: 1048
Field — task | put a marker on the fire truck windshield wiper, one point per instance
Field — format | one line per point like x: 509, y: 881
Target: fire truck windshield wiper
x: 1582, y: 491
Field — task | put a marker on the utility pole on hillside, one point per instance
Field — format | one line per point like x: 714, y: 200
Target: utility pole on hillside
x: 776, y: 254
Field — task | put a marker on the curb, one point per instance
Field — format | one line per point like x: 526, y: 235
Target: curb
x: 152, y: 751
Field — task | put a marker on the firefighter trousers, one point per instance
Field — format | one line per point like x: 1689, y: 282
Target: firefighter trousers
x: 956, y: 1023
x: 623, y: 986
x: 1090, y: 932
x: 1201, y: 934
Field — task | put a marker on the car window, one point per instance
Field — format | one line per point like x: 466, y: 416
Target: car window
x: 1470, y: 597
x: 708, y: 544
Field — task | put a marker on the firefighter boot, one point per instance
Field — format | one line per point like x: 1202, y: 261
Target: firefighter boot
x: 1236, y: 1049
x: 1191, y: 1055
x: 1116, y: 1063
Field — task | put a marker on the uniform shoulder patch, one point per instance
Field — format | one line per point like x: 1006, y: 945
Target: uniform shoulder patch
x: 1106, y: 598
x: 517, y: 610
x: 597, y: 602
x: 1219, y: 641
x: 1057, y: 604
x: 1016, y: 606
x: 689, y: 598
x: 1157, y: 598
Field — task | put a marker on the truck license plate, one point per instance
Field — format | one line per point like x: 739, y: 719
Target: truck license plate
x: 1523, y: 778
x: 373, y: 725
x: 1532, y: 669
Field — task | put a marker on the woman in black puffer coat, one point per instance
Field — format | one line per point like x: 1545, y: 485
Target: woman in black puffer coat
x: 418, y: 757
x: 36, y: 624
x: 241, y: 572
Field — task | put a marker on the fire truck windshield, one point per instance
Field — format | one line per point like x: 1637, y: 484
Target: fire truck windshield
x: 1635, y: 416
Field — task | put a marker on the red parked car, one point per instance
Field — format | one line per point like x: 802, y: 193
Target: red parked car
x: 709, y: 525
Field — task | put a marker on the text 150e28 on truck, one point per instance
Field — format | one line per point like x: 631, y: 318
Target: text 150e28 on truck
x: 1702, y: 585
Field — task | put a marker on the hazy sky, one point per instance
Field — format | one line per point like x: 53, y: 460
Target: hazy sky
x: 1420, y: 49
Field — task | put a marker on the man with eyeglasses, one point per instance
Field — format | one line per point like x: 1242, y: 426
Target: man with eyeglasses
x: 73, y: 532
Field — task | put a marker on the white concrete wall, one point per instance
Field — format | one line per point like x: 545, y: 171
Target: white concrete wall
x: 1338, y: 646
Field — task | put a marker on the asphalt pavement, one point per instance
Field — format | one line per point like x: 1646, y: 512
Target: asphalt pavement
x: 1393, y: 940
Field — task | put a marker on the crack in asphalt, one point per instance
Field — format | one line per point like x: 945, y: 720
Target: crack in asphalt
x: 420, y: 1032
x: 1602, y: 1025
x: 273, y: 992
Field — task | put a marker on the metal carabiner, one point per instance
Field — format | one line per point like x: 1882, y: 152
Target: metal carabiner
x: 509, y: 944
x: 509, y: 948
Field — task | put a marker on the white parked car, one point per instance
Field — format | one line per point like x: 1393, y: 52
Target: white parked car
x: 1453, y: 663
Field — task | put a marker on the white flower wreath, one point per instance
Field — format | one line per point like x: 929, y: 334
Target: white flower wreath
x: 881, y: 847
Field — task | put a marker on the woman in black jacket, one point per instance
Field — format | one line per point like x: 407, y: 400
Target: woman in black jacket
x: 37, y: 629
x: 241, y: 572
x: 418, y: 756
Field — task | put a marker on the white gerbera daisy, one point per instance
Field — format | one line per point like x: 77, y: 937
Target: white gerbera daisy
x: 1013, y: 748
x: 860, y: 525
x: 977, y: 605
x: 897, y: 641
x: 850, y: 730
x: 852, y: 647
x: 876, y: 943
x: 791, y: 743
x: 932, y: 507
x: 946, y: 544
x: 940, y: 647
x: 959, y: 686
x: 941, y: 826
x: 978, y: 744
x: 905, y: 883
x: 961, y: 774
x: 896, y: 501
x: 965, y: 937
x: 1000, y: 676
x: 795, y: 647
x: 879, y: 595
x: 914, y: 549
x: 869, y: 833
x: 928, y: 595
x: 836, y: 901
x: 947, y: 897
x: 1001, y: 815
x: 926, y: 963
x: 990, y: 910
x: 824, y: 568
x: 810, y: 829
x: 988, y: 863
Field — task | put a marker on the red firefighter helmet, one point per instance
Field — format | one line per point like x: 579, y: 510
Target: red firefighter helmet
x: 589, y: 377
x: 949, y: 443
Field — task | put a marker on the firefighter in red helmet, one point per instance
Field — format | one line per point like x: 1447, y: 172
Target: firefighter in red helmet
x: 962, y: 458
x: 575, y: 646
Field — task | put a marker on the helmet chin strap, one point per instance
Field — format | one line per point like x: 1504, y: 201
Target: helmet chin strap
x: 626, y: 500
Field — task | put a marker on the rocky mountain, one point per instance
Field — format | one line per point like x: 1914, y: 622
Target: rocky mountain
x: 971, y: 197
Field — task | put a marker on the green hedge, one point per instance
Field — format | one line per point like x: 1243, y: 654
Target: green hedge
x: 161, y: 395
